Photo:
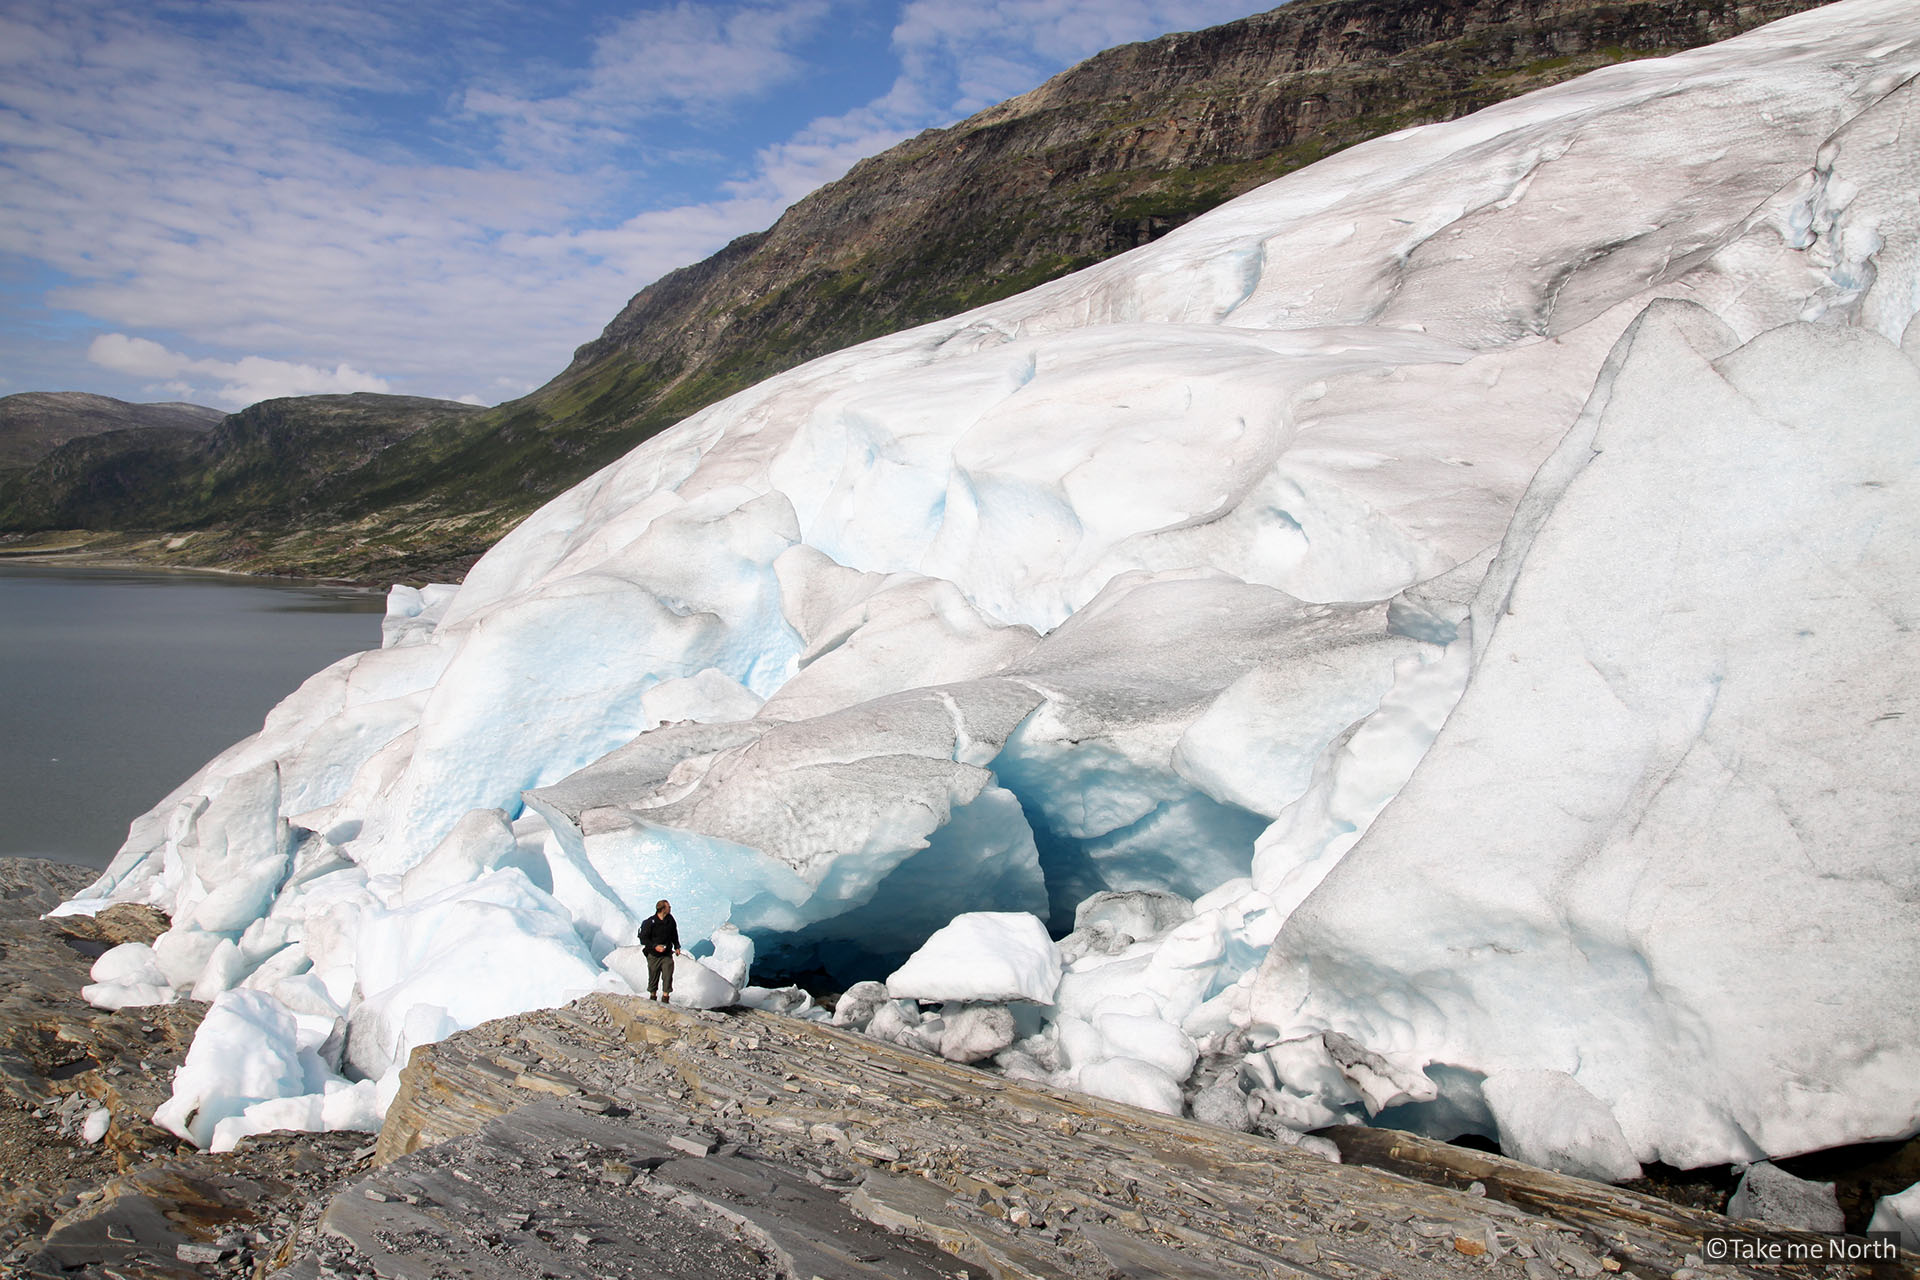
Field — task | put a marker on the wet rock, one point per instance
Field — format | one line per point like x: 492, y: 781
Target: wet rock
x: 1768, y: 1193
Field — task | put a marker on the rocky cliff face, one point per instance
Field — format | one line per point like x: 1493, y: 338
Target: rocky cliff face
x: 1104, y: 157
x: 1115, y: 152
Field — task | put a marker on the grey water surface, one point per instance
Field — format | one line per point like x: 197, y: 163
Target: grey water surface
x: 117, y: 685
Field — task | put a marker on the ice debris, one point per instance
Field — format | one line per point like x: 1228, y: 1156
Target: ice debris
x: 1899, y: 1212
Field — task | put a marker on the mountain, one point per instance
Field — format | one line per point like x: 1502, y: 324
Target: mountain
x: 1429, y: 642
x: 270, y: 467
x: 34, y: 423
x: 1105, y: 156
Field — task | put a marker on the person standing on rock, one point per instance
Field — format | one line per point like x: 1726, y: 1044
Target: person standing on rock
x: 660, y: 938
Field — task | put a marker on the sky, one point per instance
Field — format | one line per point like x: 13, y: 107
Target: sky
x: 222, y: 201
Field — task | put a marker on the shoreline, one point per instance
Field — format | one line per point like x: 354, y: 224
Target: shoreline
x: 92, y: 555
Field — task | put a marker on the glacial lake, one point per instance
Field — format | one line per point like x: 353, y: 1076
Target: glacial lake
x: 115, y: 686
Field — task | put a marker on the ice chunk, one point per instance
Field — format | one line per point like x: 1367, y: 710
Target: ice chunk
x: 899, y: 1022
x: 630, y: 963
x: 128, y: 962
x: 1137, y: 915
x: 1136, y: 1083
x: 495, y: 947
x: 1381, y: 1081
x: 1170, y: 976
x: 982, y: 957
x: 1900, y: 1212
x: 1768, y: 1193
x: 248, y: 1050
x: 858, y: 1003
x: 976, y: 1031
x: 1299, y: 1085
x: 697, y: 986
x: 1306, y: 1067
x: 732, y: 956
x: 224, y: 969
x: 304, y: 993
x: 94, y: 1127
x: 238, y: 836
x: 244, y: 898
x: 182, y: 953
x: 340, y: 1106
x: 413, y: 613
x: 1546, y: 1118
x: 1148, y: 1039
x: 127, y: 995
x: 791, y: 1001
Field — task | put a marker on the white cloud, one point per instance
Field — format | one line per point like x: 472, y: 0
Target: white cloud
x: 216, y: 180
x: 141, y: 357
x: 241, y: 382
x: 681, y: 58
x: 695, y: 55
x: 974, y: 55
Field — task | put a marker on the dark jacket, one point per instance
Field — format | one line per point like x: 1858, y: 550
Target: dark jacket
x: 656, y: 931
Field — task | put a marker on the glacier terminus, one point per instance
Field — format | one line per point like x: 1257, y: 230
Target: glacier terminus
x: 1433, y: 641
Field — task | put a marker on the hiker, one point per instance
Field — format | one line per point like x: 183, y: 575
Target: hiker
x: 660, y: 937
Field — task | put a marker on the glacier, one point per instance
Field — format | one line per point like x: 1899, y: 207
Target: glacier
x: 1430, y: 641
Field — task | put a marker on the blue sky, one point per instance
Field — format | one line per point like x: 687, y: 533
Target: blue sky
x: 226, y: 200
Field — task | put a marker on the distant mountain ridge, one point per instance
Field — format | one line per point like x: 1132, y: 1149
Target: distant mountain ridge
x: 271, y: 465
x: 35, y: 423
x: 1106, y: 156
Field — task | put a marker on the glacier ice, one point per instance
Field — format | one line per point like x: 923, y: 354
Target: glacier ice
x: 982, y: 957
x: 732, y: 955
x: 975, y: 1031
x: 1547, y: 1118
x: 1430, y: 638
x: 1899, y: 1212
x: 249, y: 1049
x: 1134, y: 1082
x: 1699, y: 661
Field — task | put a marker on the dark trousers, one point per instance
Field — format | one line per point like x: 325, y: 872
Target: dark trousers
x: 660, y: 971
